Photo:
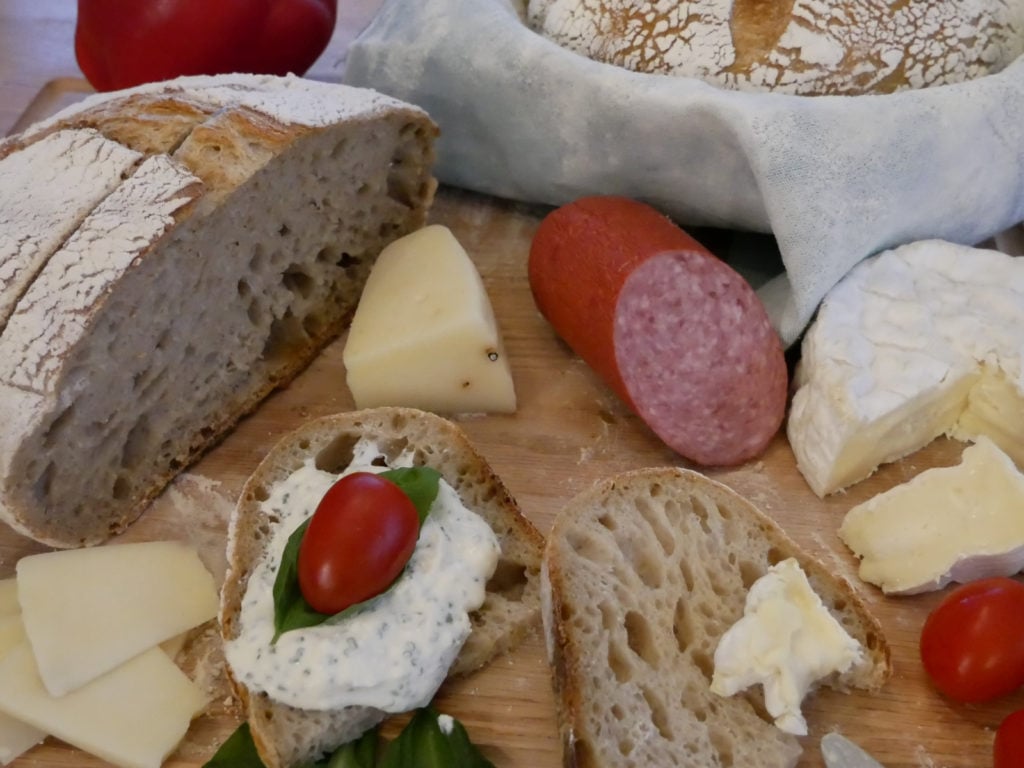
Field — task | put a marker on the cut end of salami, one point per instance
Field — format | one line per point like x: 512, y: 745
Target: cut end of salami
x: 699, y: 358
x: 678, y: 334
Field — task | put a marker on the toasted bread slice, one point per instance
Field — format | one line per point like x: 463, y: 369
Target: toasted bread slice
x: 642, y: 576
x: 286, y: 736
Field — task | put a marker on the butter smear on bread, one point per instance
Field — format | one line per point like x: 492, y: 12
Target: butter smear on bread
x: 787, y: 641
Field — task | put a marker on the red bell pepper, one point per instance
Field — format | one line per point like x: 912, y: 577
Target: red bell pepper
x: 121, y: 43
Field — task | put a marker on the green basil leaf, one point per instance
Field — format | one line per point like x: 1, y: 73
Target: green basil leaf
x: 424, y: 744
x: 419, y: 483
x: 361, y: 753
x: 238, y: 751
x: 291, y: 611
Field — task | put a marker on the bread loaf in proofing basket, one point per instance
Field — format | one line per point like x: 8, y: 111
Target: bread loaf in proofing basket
x: 806, y: 47
x: 833, y: 178
x: 176, y: 252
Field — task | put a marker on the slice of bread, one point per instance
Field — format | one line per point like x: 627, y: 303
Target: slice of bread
x: 286, y: 736
x: 642, y: 575
x: 203, y: 277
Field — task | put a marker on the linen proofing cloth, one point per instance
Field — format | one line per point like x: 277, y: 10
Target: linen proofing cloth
x: 835, y: 179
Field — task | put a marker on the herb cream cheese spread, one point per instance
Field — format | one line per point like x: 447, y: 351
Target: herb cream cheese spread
x: 394, y: 652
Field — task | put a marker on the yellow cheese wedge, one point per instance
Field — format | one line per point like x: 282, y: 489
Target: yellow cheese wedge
x: 88, y: 610
x: 133, y: 716
x: 947, y: 524
x: 424, y: 334
x: 8, y: 596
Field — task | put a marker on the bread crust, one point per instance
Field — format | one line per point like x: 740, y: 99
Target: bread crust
x: 803, y: 47
x: 510, y: 609
x: 303, y: 184
x: 642, y: 575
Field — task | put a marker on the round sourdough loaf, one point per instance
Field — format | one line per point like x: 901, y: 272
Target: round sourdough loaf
x: 804, y: 47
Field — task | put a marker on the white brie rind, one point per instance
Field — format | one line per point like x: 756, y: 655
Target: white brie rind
x: 787, y: 641
x: 948, y: 524
x: 917, y: 342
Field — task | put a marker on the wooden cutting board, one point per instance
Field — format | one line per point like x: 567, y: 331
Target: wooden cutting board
x: 568, y: 432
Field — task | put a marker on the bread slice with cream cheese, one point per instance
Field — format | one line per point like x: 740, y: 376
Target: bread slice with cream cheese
x: 287, y: 735
x: 642, y: 575
x: 224, y: 244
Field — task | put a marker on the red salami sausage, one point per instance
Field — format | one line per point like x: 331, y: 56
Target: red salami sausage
x: 675, y: 332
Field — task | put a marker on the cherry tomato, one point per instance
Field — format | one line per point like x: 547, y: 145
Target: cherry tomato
x: 361, y: 536
x: 1008, y: 750
x: 972, y: 644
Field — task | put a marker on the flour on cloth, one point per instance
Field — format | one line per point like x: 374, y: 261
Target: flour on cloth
x: 835, y: 179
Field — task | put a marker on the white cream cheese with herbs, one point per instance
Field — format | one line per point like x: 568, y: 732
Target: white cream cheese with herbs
x: 394, y: 653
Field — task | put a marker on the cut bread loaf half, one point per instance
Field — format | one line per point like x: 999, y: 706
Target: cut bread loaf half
x: 287, y: 735
x: 642, y: 576
x: 227, y: 231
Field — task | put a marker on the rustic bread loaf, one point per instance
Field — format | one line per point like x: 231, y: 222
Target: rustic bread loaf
x: 286, y: 735
x: 806, y: 47
x: 211, y: 274
x: 642, y: 575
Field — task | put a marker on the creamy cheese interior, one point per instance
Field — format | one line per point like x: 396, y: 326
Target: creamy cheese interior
x: 786, y: 641
x: 396, y: 652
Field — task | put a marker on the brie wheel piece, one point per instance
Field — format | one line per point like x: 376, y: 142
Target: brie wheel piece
x: 947, y: 524
x: 424, y: 334
x: 16, y: 737
x: 919, y: 341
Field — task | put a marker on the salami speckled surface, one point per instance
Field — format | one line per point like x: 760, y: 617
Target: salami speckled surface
x: 677, y: 333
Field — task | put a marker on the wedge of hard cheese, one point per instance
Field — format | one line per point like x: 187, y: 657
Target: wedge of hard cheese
x: 920, y: 341
x: 177, y: 292
x: 424, y: 334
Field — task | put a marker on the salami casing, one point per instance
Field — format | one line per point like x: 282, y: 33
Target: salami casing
x: 679, y: 335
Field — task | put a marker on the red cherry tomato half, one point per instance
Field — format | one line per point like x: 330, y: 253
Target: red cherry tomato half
x: 972, y: 644
x: 361, y: 536
x: 1008, y: 750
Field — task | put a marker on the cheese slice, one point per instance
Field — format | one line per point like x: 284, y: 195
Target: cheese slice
x: 88, y: 610
x: 133, y: 716
x: 16, y: 737
x: 919, y: 341
x: 947, y: 524
x: 9, y: 596
x: 424, y: 334
x: 785, y: 641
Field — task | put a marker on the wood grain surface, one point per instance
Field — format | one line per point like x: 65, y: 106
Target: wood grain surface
x: 568, y: 432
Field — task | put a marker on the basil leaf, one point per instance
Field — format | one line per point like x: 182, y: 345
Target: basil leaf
x: 419, y: 483
x: 291, y: 611
x: 238, y: 751
x: 424, y: 744
x: 361, y: 753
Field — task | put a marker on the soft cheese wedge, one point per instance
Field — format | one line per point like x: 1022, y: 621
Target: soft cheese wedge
x: 424, y: 334
x: 919, y: 341
x: 948, y: 524
x: 120, y: 600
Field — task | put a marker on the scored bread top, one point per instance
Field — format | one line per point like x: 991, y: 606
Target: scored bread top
x: 286, y: 735
x: 807, y: 47
x: 642, y: 576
